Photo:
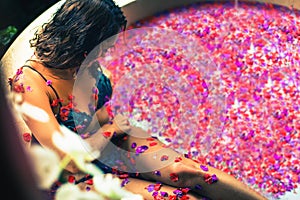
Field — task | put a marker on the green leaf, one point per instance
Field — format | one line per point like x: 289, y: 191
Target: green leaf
x: 7, y: 34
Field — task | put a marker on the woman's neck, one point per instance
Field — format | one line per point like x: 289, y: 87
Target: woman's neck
x: 59, y: 74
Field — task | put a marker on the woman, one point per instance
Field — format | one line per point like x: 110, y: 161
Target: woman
x: 46, y: 80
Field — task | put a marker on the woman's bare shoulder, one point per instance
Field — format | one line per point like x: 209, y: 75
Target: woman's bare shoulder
x: 26, y: 82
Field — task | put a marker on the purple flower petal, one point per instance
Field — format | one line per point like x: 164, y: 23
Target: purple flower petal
x: 133, y: 145
x: 204, y: 168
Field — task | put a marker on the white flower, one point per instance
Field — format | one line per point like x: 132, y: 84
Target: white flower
x: 89, y: 168
x: 72, y: 144
x: 77, y: 149
x: 27, y: 110
x: 110, y: 187
x: 72, y: 192
x: 46, y: 165
x: 133, y: 197
x: 81, y: 153
x: 34, y: 112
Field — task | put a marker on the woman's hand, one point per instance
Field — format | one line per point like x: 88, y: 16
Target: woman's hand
x: 120, y: 124
x: 119, y: 127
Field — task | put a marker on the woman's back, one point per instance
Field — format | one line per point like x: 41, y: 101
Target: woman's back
x: 60, y: 94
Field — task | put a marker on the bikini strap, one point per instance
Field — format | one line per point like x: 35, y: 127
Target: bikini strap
x: 55, y: 92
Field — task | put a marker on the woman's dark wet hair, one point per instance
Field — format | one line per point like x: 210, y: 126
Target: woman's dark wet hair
x: 77, y: 28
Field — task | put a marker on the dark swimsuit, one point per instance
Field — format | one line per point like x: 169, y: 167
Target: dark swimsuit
x: 74, y: 117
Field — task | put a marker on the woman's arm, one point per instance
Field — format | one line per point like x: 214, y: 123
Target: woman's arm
x: 38, y: 96
x: 118, y: 126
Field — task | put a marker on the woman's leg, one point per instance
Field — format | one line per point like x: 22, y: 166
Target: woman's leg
x: 173, y: 169
x: 149, y: 190
x: 154, y: 190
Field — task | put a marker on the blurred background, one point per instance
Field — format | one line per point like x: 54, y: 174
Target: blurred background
x: 15, y: 15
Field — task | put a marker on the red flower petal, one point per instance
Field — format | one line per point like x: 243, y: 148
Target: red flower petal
x: 178, y: 159
x: 122, y: 176
x: 89, y: 181
x: 157, y: 186
x: 184, y: 197
x: 164, y: 157
x: 19, y: 88
x: 71, y: 179
x: 174, y: 177
x: 185, y: 190
x: 106, y: 134
x: 172, y: 197
x: 152, y: 144
x: 27, y: 137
